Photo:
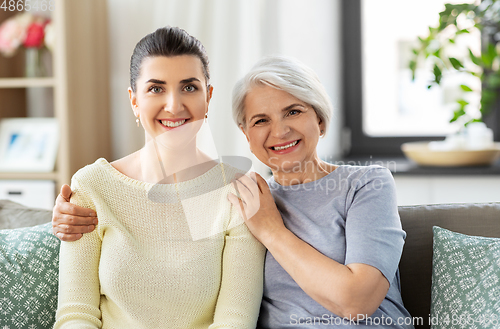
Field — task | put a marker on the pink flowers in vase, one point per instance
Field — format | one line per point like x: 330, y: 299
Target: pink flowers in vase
x: 27, y: 30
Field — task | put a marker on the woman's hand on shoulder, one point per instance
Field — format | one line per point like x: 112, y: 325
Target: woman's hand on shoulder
x: 70, y: 221
x: 256, y: 206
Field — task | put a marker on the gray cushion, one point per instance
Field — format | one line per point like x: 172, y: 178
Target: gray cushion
x: 14, y: 215
x: 416, y: 261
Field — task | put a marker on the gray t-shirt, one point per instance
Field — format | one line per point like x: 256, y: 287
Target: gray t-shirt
x: 351, y: 216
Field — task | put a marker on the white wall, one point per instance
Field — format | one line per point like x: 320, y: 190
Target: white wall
x: 236, y: 33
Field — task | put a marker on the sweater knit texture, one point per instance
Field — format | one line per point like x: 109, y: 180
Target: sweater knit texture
x: 162, y: 256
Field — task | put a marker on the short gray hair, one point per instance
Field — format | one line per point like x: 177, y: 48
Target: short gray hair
x: 286, y: 74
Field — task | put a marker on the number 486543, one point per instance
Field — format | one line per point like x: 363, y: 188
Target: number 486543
x: 28, y: 5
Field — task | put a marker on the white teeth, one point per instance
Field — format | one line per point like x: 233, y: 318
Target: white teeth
x: 279, y: 148
x: 172, y: 124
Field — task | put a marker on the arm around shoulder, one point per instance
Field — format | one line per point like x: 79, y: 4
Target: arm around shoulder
x: 69, y: 221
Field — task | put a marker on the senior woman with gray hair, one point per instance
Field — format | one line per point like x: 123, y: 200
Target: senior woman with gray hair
x: 333, y: 233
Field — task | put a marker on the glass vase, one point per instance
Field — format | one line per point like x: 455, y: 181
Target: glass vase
x: 34, y: 63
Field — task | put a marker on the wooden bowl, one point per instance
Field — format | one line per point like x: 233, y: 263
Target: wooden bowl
x: 422, y: 155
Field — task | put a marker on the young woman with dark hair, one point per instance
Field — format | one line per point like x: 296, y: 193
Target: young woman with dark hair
x: 167, y: 252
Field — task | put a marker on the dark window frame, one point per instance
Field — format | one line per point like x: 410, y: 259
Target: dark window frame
x: 361, y: 144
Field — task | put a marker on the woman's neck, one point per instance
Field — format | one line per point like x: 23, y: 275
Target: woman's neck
x: 172, y: 165
x: 310, y: 171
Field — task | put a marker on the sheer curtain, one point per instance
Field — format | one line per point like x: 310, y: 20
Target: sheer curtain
x: 236, y: 33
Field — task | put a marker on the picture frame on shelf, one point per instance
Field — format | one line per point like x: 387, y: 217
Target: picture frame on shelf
x: 28, y: 144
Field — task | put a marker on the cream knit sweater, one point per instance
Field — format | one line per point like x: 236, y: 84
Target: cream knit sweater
x: 162, y: 256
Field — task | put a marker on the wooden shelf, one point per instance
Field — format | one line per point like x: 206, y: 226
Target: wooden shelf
x: 78, y: 88
x: 27, y: 82
x: 29, y: 175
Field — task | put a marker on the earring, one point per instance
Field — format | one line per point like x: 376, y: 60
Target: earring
x: 137, y: 121
x: 322, y: 132
x: 206, y: 117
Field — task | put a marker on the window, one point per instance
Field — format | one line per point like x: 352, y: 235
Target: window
x: 383, y: 107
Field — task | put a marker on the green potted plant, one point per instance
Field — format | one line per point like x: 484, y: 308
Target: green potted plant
x: 456, y: 20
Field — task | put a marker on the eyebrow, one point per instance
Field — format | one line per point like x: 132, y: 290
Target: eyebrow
x: 190, y: 80
x: 161, y: 82
x: 289, y: 107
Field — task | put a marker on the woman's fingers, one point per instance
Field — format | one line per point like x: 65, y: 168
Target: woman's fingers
x: 238, y: 203
x: 73, y: 231
x: 262, y: 184
x: 248, y: 183
x: 257, y: 207
x: 249, y: 195
x: 255, y: 183
x: 245, y: 201
x: 67, y: 224
x: 65, y: 192
x: 68, y: 237
x: 76, y: 211
x: 71, y: 224
x: 70, y: 221
x: 244, y: 192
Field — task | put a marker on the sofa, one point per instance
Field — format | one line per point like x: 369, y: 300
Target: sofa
x: 29, y: 258
x: 416, y: 266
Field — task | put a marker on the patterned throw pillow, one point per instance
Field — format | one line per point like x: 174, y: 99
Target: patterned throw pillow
x: 465, y: 281
x: 29, y: 269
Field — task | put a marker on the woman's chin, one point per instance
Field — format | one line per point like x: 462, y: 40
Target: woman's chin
x: 285, y: 167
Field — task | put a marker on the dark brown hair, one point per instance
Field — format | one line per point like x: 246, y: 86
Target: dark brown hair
x: 167, y: 41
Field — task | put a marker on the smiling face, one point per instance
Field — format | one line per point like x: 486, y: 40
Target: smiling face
x: 171, y: 98
x: 282, y: 131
